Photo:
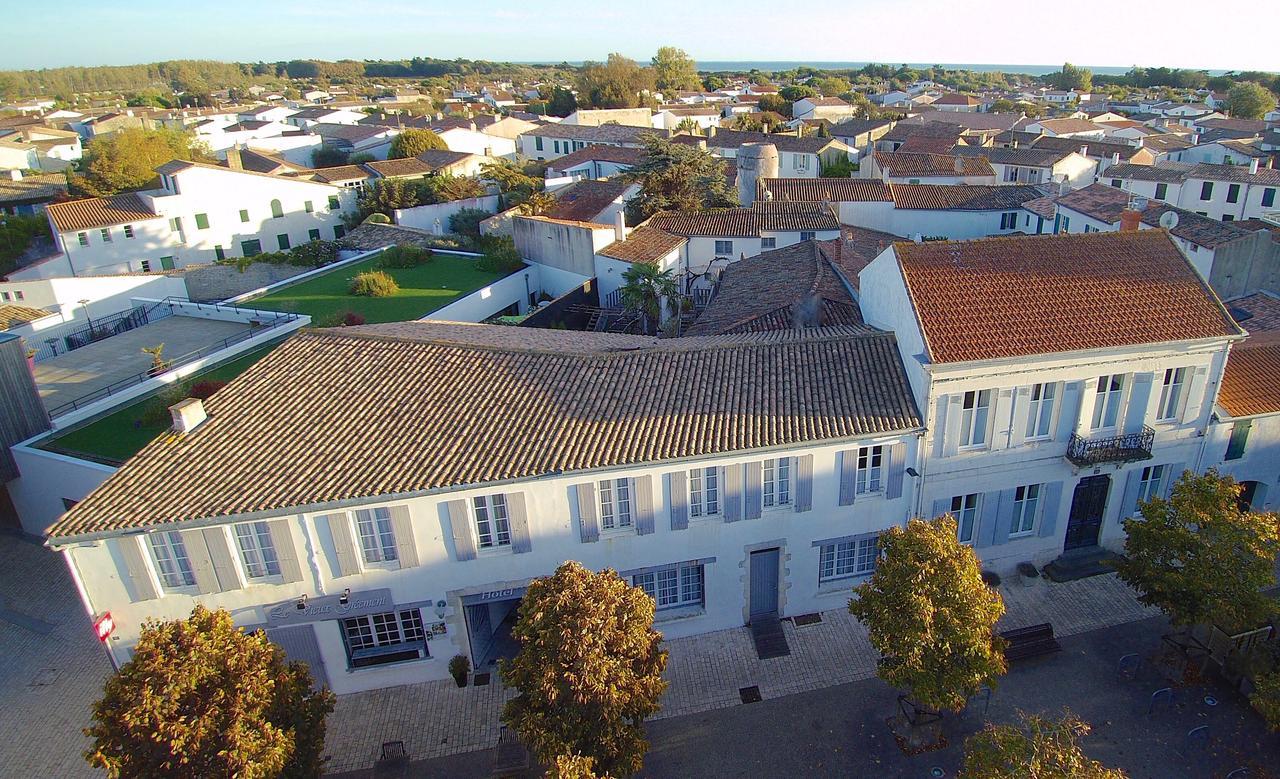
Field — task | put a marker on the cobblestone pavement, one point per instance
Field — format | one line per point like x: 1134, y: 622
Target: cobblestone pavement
x: 706, y: 671
x: 54, y: 667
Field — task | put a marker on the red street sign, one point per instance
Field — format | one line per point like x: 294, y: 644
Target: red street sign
x: 104, y: 626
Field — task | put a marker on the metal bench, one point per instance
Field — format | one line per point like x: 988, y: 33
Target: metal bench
x: 1031, y: 641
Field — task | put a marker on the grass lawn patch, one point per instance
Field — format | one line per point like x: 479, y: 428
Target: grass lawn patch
x: 423, y: 289
x: 122, y: 433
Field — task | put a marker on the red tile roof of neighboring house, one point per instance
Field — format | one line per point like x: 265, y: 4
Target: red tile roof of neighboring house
x: 643, y: 244
x: 1013, y: 297
x: 584, y: 200
x: 963, y: 197
x: 826, y: 190
x: 1257, y: 313
x: 905, y: 165
x: 1249, y: 383
x: 620, y: 155
x: 99, y: 212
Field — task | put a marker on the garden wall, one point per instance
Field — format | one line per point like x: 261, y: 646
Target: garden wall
x: 487, y: 301
x: 425, y: 217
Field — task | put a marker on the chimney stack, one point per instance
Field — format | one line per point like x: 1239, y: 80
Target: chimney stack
x: 187, y: 415
x: 1253, y: 166
x: 959, y: 166
x: 1115, y: 158
x: 233, y: 158
x: 1130, y: 220
x: 620, y: 226
x: 1084, y: 151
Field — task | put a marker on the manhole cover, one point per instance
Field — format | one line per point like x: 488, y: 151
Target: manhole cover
x: 750, y: 694
x: 45, y: 677
x: 806, y: 619
x: 482, y: 680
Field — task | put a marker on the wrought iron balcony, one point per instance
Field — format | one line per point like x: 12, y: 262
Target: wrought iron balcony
x: 1125, y: 448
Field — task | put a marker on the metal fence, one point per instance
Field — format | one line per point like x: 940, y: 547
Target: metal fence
x: 55, y: 341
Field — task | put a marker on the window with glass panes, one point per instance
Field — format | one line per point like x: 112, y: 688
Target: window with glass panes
x: 1040, y: 412
x: 1171, y: 393
x: 374, y: 638
x: 672, y: 586
x: 843, y: 559
x: 1149, y: 482
x: 704, y: 492
x: 870, y: 469
x: 973, y: 418
x: 1106, y: 401
x: 776, y: 481
x: 257, y: 550
x: 965, y: 509
x: 377, y: 539
x: 172, y: 563
x: 1026, y: 502
x: 492, y: 527
x: 615, y: 503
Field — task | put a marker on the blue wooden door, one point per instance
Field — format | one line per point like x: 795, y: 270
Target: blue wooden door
x: 764, y: 583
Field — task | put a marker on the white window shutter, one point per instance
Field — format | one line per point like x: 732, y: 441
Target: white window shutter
x: 201, y: 565
x: 464, y: 541
x: 848, y: 476
x: 732, y: 497
x: 286, y: 551
x: 402, y: 529
x: 804, y: 483
x: 519, y: 520
x: 344, y: 547
x: 588, y: 523
x: 642, y: 487
x: 224, y: 565
x: 134, y: 571
x: 1194, y: 401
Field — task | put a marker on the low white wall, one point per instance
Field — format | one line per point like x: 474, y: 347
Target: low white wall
x: 487, y: 301
x: 554, y: 281
x: 425, y: 217
x: 260, y: 291
x: 47, y: 479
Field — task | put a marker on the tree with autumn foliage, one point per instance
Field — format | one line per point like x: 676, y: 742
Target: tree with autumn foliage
x: 1200, y: 559
x: 201, y: 697
x: 1039, y: 747
x: 127, y: 160
x: 589, y: 670
x: 931, y: 616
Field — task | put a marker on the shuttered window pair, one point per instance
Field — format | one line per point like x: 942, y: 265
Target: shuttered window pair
x: 704, y: 492
x: 203, y: 558
x: 776, y: 479
x: 965, y: 510
x: 493, y: 528
x: 487, y: 522
x: 377, y: 537
x: 172, y: 564
x: 257, y: 550
x: 615, y: 503
x: 384, y: 535
x: 872, y: 470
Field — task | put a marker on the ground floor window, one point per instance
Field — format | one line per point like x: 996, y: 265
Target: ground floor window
x: 672, y: 586
x: 390, y: 637
x: 849, y: 557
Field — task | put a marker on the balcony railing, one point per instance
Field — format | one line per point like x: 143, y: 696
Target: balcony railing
x: 1126, y: 448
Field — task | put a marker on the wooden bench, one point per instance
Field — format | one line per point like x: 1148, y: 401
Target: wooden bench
x: 1031, y: 641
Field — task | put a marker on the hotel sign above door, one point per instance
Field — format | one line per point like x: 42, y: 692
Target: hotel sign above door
x: 357, y: 604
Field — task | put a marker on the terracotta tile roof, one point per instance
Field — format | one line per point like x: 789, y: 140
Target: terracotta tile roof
x: 1025, y: 157
x: 999, y: 298
x: 643, y: 244
x: 851, y: 128
x: 955, y: 98
x: 747, y: 222
x: 1235, y: 173
x: 825, y: 101
x: 266, y: 162
x: 1165, y: 142
x: 399, y: 168
x: 1167, y: 171
x: 826, y: 190
x: 12, y: 315
x: 1240, y: 125
x: 412, y: 407
x: 1044, y: 207
x: 963, y: 197
x: 1257, y: 313
x: 605, y: 133
x: 856, y: 247
x: 927, y: 144
x: 621, y: 155
x: 1099, y: 149
x: 1105, y: 203
x: 1060, y: 126
x: 907, y: 129
x: 33, y: 189
x: 340, y: 173
x: 787, y: 288
x: 99, y: 212
x: 905, y: 165
x: 734, y: 139
x: 968, y: 121
x: 584, y: 200
x: 1249, y: 383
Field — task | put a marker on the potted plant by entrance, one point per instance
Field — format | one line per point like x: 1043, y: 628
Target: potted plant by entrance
x: 459, y: 667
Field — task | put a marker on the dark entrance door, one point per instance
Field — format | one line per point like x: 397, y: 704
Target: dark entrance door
x: 1087, y: 507
x: 764, y: 584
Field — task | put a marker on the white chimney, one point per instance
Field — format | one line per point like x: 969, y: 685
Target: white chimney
x: 14, y: 174
x: 1084, y: 151
x: 1115, y: 158
x: 620, y: 226
x: 1253, y: 166
x: 187, y: 415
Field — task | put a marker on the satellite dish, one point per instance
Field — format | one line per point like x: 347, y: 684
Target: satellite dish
x: 1169, y: 220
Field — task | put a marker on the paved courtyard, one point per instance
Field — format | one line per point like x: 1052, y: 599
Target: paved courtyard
x: 88, y: 369
x: 436, y: 719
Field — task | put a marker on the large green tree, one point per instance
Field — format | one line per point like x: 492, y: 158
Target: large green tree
x: 931, y: 616
x: 413, y: 141
x: 1038, y: 748
x: 677, y: 177
x: 1250, y: 100
x: 589, y: 670
x: 674, y: 70
x: 202, y: 698
x: 1200, y: 559
x: 1072, y: 77
x: 618, y: 83
x: 562, y: 103
x: 127, y: 160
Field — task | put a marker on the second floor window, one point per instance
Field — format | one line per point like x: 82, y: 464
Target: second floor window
x: 1162, y: 191
x: 768, y: 243
x: 615, y: 503
x: 1149, y: 483
x: 492, y: 527
x: 172, y: 562
x: 257, y: 550
x: 704, y: 492
x: 973, y: 419
x: 1040, y: 413
x: 1106, y: 401
x: 277, y: 210
x: 870, y: 469
x: 377, y: 539
x: 724, y: 247
x: 1171, y: 394
x: 1206, y: 190
x: 776, y: 478
x: 965, y: 509
x: 1026, y: 502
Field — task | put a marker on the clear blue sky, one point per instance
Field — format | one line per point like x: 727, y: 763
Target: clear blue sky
x: 1090, y: 32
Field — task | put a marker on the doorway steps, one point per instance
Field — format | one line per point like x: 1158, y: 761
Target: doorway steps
x: 1080, y: 564
x: 769, y: 639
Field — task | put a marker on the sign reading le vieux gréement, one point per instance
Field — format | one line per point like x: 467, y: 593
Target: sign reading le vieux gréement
x: 330, y: 607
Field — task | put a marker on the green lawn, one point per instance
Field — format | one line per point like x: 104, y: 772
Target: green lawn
x: 121, y: 434
x: 423, y: 289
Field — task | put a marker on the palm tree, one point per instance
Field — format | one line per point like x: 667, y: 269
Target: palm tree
x: 688, y: 125
x: 644, y: 288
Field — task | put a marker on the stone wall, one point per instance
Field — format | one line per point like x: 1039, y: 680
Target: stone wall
x: 209, y: 283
